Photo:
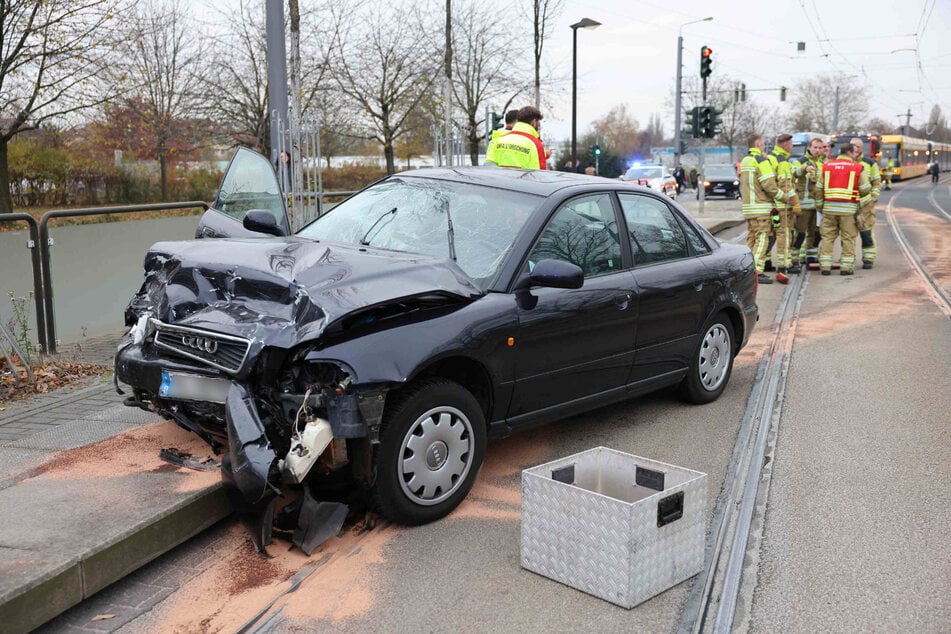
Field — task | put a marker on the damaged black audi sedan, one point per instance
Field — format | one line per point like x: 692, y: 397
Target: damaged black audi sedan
x: 383, y: 344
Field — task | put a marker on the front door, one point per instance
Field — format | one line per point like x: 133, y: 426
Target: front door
x: 576, y: 343
x: 249, y: 183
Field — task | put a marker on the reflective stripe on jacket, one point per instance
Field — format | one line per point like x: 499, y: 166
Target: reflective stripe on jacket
x: 758, y: 188
x: 844, y: 186
x: 519, y: 148
x: 874, y: 176
x: 807, y: 184
x: 784, y: 178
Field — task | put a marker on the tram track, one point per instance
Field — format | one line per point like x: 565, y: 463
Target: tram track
x: 935, y: 289
x: 713, y: 602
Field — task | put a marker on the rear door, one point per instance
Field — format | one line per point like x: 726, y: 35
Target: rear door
x: 249, y: 183
x: 674, y: 288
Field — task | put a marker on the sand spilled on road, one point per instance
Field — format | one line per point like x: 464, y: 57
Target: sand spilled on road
x: 242, y: 583
x: 132, y: 452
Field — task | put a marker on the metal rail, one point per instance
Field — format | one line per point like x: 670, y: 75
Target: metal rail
x: 45, y: 245
x: 719, y: 584
x: 934, y: 203
x: 935, y: 290
x: 33, y: 244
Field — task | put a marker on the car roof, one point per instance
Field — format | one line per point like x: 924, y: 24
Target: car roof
x: 538, y: 182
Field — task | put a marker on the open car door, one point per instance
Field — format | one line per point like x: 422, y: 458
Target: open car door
x: 249, y: 184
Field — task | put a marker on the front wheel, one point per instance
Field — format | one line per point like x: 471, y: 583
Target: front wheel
x: 712, y: 363
x: 432, y: 442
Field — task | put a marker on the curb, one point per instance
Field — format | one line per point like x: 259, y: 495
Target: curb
x: 48, y: 594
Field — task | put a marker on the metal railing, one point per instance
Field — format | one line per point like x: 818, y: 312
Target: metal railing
x: 33, y: 244
x: 40, y: 244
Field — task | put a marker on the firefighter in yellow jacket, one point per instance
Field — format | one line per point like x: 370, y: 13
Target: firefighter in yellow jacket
x: 759, y: 194
x: 867, y: 212
x: 845, y: 188
x: 806, y: 170
x: 787, y: 203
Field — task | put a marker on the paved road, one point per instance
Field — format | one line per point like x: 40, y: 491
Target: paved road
x: 852, y: 536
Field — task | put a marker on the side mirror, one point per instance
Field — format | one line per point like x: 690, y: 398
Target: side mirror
x: 262, y: 221
x: 556, y: 274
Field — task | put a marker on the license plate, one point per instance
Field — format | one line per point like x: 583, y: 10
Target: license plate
x: 193, y: 387
x: 719, y: 190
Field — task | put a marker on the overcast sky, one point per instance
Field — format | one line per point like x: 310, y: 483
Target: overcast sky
x: 631, y: 57
x: 903, y: 56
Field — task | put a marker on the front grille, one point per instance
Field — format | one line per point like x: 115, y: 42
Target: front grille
x: 224, y: 352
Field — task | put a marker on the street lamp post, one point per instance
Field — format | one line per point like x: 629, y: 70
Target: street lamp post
x: 584, y: 23
x: 680, y: 48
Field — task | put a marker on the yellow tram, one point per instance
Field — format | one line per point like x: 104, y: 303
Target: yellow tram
x: 912, y: 156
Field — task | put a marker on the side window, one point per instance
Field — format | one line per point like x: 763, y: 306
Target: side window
x: 250, y: 183
x: 583, y: 231
x: 656, y: 236
x: 696, y: 241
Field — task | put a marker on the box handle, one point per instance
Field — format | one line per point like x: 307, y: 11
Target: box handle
x: 670, y: 509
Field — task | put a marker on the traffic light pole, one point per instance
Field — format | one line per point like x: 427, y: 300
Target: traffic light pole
x: 680, y: 48
x: 701, y: 178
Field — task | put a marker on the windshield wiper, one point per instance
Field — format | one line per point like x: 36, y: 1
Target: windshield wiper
x: 364, y: 240
x: 451, y: 233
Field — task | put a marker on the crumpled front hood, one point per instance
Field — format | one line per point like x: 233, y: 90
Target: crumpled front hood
x: 285, y: 290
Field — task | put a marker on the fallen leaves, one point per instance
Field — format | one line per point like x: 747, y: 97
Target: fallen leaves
x: 48, y: 374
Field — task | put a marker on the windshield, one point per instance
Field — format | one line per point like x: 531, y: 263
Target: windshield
x: 643, y: 172
x: 720, y: 171
x: 415, y: 215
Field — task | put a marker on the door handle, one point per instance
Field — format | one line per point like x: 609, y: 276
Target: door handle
x: 623, y: 300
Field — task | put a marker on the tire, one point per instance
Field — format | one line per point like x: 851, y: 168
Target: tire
x: 712, y: 363
x: 432, y: 442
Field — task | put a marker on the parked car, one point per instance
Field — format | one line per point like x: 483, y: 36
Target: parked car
x: 653, y: 176
x: 720, y: 180
x: 387, y: 341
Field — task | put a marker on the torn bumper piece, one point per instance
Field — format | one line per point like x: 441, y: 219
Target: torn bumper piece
x: 250, y: 471
x: 251, y: 457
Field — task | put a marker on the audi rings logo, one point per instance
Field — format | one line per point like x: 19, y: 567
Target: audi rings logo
x: 202, y: 344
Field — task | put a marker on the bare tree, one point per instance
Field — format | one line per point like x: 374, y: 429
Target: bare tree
x: 163, y: 67
x: 816, y: 101
x: 384, y: 64
x: 544, y: 13
x: 51, y: 55
x: 484, y: 47
x: 618, y: 130
x: 239, y: 80
x: 322, y: 29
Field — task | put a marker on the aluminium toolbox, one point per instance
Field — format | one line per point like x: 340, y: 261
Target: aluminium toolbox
x: 617, y: 526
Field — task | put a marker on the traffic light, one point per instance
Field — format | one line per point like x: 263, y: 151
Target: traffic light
x: 597, y: 150
x: 497, y: 121
x: 703, y: 121
x: 706, y: 61
x: 693, y: 122
x: 782, y: 93
x: 714, y: 122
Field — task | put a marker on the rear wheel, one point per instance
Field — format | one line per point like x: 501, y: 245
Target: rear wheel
x: 432, y: 442
x: 712, y: 363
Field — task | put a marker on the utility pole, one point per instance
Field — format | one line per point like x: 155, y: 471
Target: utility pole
x: 276, y: 70
x: 907, y: 115
x: 448, y: 96
x: 835, y: 111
